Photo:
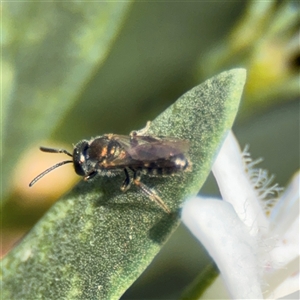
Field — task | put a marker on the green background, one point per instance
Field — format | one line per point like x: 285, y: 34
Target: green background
x: 73, y: 70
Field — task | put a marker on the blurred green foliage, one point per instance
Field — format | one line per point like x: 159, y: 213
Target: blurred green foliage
x: 51, y: 50
x: 72, y: 70
x: 265, y: 41
x: 96, y: 241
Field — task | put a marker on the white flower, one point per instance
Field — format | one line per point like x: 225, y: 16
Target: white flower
x: 255, y: 245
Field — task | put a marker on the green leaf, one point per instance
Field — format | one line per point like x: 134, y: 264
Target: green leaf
x: 95, y: 241
x: 50, y: 51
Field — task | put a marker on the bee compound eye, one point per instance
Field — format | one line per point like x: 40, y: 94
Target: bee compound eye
x: 79, y: 168
x: 79, y: 157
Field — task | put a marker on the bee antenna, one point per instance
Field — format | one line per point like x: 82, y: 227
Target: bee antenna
x: 51, y: 168
x: 53, y: 150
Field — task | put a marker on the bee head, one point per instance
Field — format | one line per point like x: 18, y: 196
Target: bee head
x: 81, y: 158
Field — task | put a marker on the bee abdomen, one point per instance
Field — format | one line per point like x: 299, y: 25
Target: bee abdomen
x: 181, y: 162
x: 174, y: 165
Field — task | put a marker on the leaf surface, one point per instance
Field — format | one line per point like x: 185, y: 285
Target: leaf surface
x: 95, y: 241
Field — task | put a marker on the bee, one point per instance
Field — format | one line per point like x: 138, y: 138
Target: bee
x: 135, y: 155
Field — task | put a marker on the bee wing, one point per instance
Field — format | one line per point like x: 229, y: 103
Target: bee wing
x: 148, y: 148
x: 158, y: 150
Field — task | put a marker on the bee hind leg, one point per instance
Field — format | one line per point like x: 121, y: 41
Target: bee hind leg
x: 149, y: 192
x: 127, y: 182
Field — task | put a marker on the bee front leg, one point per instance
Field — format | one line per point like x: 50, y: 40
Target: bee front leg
x: 127, y: 182
x: 149, y: 192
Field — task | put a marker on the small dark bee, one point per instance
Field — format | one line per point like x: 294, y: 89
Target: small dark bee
x: 136, y: 154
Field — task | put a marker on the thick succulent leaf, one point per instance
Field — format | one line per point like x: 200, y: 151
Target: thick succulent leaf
x: 50, y: 50
x: 95, y: 241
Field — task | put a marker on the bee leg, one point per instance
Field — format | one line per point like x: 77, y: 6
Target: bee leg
x: 127, y: 182
x: 142, y: 131
x: 149, y: 192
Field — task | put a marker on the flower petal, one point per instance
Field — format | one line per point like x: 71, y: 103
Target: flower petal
x: 226, y: 238
x: 286, y: 210
x: 283, y: 265
x: 236, y: 187
x: 289, y: 286
x: 282, y: 271
x: 287, y: 247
